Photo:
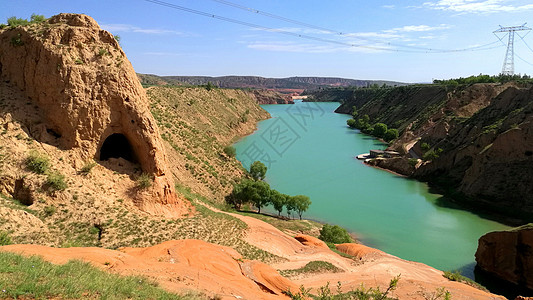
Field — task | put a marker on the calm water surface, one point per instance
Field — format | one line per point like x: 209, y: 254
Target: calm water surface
x: 309, y: 150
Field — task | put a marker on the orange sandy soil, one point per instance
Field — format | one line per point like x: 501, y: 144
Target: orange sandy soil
x: 217, y: 270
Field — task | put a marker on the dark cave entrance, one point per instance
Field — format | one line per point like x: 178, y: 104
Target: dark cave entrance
x: 115, y: 146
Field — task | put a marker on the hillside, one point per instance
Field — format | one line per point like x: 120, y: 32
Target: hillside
x: 291, y: 84
x: 482, y: 129
x: 94, y: 167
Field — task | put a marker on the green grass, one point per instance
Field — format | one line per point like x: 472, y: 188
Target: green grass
x: 457, y: 276
x: 32, y: 277
x: 56, y: 182
x: 37, y: 162
x: 312, y: 267
x: 287, y: 226
x: 144, y: 181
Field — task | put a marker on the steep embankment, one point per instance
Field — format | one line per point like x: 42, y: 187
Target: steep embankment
x: 484, y: 131
x: 196, y: 124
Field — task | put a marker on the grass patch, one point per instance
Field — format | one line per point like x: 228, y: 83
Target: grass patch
x: 457, y: 276
x: 144, y: 181
x: 32, y: 277
x: 312, y: 267
x: 86, y: 169
x: 56, y: 182
x: 287, y: 226
x: 37, y: 162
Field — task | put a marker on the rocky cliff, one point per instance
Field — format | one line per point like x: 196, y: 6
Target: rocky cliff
x: 484, y: 131
x: 90, y: 99
x: 508, y: 255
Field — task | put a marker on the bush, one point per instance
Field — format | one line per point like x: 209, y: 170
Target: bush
x: 230, y: 151
x: 37, y: 162
x: 15, y: 22
x: 351, y: 123
x: 379, y: 130
x: 37, y: 18
x: 86, y: 169
x: 144, y: 181
x: 334, y: 234
x: 49, y: 210
x: 56, y: 182
x: 391, y: 134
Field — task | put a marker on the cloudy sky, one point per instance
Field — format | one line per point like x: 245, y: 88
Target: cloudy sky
x: 409, y: 41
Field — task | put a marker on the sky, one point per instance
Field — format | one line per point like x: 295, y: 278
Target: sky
x: 407, y: 41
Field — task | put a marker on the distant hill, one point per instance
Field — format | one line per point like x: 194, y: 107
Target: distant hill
x: 290, y: 84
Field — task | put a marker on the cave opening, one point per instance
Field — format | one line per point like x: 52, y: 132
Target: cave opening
x: 116, y: 146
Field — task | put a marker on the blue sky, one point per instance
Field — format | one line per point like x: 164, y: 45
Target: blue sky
x: 392, y: 39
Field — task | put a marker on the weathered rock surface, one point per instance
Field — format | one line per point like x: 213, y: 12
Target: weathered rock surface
x: 90, y: 97
x: 311, y: 241
x: 508, y: 255
x: 357, y: 250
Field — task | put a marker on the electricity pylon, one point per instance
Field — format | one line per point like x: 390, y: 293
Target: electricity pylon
x: 508, y: 62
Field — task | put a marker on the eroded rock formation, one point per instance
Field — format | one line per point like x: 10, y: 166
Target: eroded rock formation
x: 508, y: 255
x: 91, y: 100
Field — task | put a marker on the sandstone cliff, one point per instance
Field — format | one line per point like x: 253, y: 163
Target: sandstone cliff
x: 483, y: 130
x: 507, y: 255
x: 89, y: 97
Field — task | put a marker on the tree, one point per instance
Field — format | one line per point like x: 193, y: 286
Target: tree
x: 290, y: 205
x: 391, y: 134
x: 334, y: 234
x: 278, y: 200
x: 301, y: 203
x: 351, y: 123
x: 237, y: 198
x: 258, y: 170
x: 379, y: 130
x: 354, y: 112
x: 258, y: 192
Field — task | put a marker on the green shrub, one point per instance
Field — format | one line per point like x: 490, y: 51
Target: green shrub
x: 37, y: 18
x: 334, y: 234
x: 351, y: 123
x: 5, y: 239
x: 230, y: 151
x: 144, y: 181
x: 17, y: 40
x: 37, y: 162
x: 56, y: 182
x: 391, y: 134
x: 425, y: 146
x: 379, y: 130
x: 49, y: 210
x: 15, y: 22
x: 86, y: 169
x: 457, y: 276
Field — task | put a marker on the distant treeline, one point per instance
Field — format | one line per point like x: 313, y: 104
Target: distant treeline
x: 485, y: 79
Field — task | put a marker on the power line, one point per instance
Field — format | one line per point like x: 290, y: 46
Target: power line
x: 340, y: 33
x: 304, y: 36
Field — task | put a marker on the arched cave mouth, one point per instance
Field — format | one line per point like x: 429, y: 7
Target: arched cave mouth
x: 116, y: 146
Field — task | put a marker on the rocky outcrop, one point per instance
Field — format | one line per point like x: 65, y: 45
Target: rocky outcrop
x: 357, y: 250
x: 508, y: 255
x: 90, y: 98
x: 311, y: 241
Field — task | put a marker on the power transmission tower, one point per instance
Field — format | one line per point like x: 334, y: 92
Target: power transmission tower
x: 508, y: 62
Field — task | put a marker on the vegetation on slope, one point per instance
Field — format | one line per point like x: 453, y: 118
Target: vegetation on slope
x: 198, y: 125
x: 32, y: 278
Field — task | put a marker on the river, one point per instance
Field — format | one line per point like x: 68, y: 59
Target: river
x: 309, y: 150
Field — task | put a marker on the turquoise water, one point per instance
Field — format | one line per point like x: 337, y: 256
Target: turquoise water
x: 309, y: 150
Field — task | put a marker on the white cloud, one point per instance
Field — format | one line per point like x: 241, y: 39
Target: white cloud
x: 389, y: 6
x: 417, y: 28
x: 477, y: 6
x: 135, y: 29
